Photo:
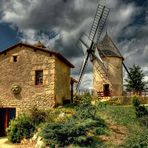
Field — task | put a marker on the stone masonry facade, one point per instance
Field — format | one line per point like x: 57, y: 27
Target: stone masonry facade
x: 56, y: 78
x: 115, y: 76
x: 113, y: 60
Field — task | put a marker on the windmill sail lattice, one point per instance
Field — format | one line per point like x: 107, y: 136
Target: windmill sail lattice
x: 94, y: 36
x: 98, y: 22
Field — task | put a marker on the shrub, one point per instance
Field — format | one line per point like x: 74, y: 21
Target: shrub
x: 141, y: 111
x: 37, y: 116
x: 136, y: 102
x: 71, y: 132
x: 79, y: 129
x: 99, y: 131
x: 19, y: 128
x: 80, y: 99
x: 144, y: 121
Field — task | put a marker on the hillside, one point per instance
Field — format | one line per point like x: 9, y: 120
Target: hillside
x: 84, y: 125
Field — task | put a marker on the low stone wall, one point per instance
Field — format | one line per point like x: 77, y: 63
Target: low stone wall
x: 123, y: 100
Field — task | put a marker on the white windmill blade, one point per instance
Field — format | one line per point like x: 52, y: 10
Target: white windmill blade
x: 98, y: 55
x: 86, y: 40
x: 100, y: 64
x: 83, y: 47
x: 83, y: 68
x: 85, y: 43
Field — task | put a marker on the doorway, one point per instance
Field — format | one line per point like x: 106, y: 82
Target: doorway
x: 106, y: 90
x: 6, y: 115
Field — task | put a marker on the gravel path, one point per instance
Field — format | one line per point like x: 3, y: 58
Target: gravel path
x: 4, y: 143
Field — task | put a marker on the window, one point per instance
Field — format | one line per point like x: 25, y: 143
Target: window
x: 38, y: 77
x: 14, y: 58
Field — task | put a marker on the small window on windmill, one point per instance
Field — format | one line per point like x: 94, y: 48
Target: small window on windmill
x: 38, y: 77
x: 15, y: 58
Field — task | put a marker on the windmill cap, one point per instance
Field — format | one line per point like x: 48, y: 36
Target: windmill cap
x: 106, y: 47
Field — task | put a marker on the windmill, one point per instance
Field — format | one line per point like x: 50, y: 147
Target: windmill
x: 91, y: 44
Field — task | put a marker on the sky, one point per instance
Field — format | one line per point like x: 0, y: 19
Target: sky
x: 59, y: 24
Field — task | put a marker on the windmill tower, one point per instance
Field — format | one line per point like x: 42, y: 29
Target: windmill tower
x: 113, y: 60
x: 105, y: 57
x: 89, y: 43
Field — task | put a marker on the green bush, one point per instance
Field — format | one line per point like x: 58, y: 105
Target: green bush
x: 80, y: 99
x: 38, y: 116
x: 71, y: 132
x: 136, y: 102
x: 85, y: 109
x: 99, y: 131
x: 140, y: 110
x: 144, y: 121
x: 19, y: 128
x: 79, y: 129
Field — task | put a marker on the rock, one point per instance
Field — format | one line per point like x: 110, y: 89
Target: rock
x: 62, y: 115
x: 40, y: 143
x: 35, y: 137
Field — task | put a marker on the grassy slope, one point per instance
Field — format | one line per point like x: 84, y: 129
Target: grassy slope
x: 125, y: 124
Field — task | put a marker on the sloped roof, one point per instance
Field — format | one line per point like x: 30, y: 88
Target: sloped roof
x: 107, y: 47
x: 58, y: 55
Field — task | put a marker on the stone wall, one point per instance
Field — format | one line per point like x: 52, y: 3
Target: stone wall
x: 22, y: 73
x: 62, y: 82
x: 115, y: 75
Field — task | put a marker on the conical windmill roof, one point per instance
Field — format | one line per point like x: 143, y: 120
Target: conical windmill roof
x: 106, y: 47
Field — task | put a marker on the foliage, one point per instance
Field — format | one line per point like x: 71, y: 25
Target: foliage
x: 68, y: 133
x: 136, y: 83
x: 114, y: 101
x: 144, y: 121
x: 140, y: 110
x: 77, y: 130
x: 19, y: 128
x: 137, y: 139
x: 37, y: 116
x: 136, y: 102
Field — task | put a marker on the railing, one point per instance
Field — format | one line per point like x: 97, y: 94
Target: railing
x: 104, y: 94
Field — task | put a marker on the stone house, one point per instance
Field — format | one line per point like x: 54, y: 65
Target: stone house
x: 112, y: 85
x: 31, y: 76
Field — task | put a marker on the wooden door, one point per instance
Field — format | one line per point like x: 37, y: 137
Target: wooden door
x: 6, y: 115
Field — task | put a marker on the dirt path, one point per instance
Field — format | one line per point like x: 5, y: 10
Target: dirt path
x: 4, y: 143
x: 117, y: 135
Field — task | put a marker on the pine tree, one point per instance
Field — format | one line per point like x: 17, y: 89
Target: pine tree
x: 136, y: 84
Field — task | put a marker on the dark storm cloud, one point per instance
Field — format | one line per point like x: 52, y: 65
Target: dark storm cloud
x: 127, y: 25
x: 56, y: 13
x: 68, y: 18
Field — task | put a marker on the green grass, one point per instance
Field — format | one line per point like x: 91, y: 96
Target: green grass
x: 137, y: 135
x: 123, y: 115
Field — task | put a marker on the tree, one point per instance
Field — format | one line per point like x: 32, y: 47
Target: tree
x: 135, y: 81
